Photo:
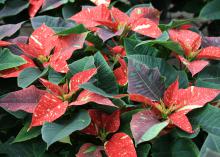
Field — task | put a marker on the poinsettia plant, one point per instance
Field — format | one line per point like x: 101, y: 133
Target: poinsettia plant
x: 102, y: 78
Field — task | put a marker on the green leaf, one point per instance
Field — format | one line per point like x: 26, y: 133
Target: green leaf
x: 212, y: 143
x: 29, y: 75
x: 132, y: 48
x: 78, y: 29
x: 106, y: 79
x: 167, y: 146
x: 95, y: 40
x: 2, y: 1
x: 53, y: 132
x: 153, y: 131
x: 26, y: 149
x: 91, y: 87
x: 52, y: 4
x: 25, y: 135
x: 9, y: 60
x: 211, y: 10
x: 176, y: 23
x: 209, y: 77
x: 143, y: 150
x: 207, y: 118
x: 69, y: 10
x: 12, y: 7
x: 82, y: 64
x: 57, y: 23
x: 55, y: 77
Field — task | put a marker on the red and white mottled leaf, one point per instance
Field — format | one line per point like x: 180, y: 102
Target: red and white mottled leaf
x: 14, y: 72
x: 210, y: 52
x: 91, y: 15
x: 99, y: 2
x: 142, y: 122
x: 101, y: 120
x: 55, y: 89
x: 146, y: 12
x: 188, y: 40
x: 121, y: 73
x: 195, y: 97
x: 141, y: 99
x: 4, y: 43
x: 146, y: 27
x: 86, y: 96
x: 169, y: 94
x: 111, y: 123
x: 48, y: 109
x: 35, y: 5
x: 119, y: 16
x: 80, y: 78
x: 84, y: 148
x: 120, y: 145
x: 180, y: 120
x: 25, y: 99
x: 96, y: 122
x: 41, y: 42
x: 194, y: 66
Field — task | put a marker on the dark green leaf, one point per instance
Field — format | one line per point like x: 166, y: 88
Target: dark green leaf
x: 25, y: 135
x: 166, y: 146
x: 82, y: 64
x: 132, y: 48
x: 53, y: 132
x: 106, y: 79
x: 12, y: 7
x: 143, y: 150
x: 208, y: 119
x: 212, y: 143
x: 29, y: 75
x: 78, y: 29
x: 55, y: 77
x: 209, y: 77
x: 9, y: 60
x: 57, y: 23
x: 211, y: 10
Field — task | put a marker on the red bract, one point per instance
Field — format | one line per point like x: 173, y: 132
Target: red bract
x: 43, y: 40
x: 190, y: 42
x: 54, y: 104
x: 91, y: 16
x: 121, y: 73
x: 35, y: 5
x: 177, y: 103
x: 4, y: 43
x: 48, y: 109
x: 120, y: 145
x: 14, y: 72
x: 139, y: 24
x: 86, y: 96
x: 102, y: 124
